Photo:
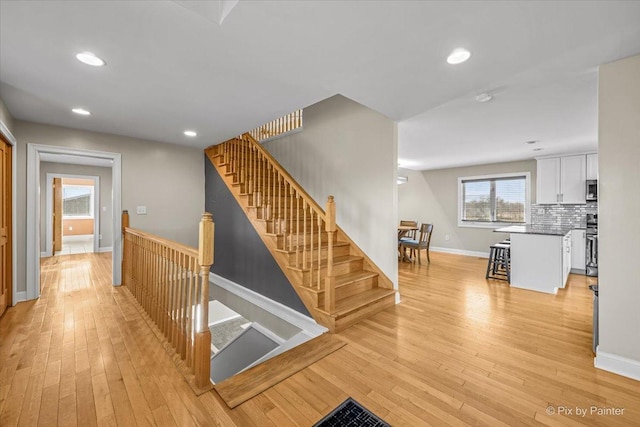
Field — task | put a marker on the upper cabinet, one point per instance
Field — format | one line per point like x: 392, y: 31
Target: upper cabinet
x: 592, y: 166
x: 561, y: 180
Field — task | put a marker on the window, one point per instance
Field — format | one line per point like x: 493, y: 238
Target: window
x: 77, y: 201
x: 493, y: 201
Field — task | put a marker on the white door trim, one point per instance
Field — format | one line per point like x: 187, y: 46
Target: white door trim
x: 48, y: 247
x: 14, y: 213
x: 33, y: 208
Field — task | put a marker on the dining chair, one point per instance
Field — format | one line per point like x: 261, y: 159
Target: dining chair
x: 408, y: 235
x: 417, y: 245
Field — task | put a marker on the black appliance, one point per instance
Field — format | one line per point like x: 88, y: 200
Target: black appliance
x: 592, y: 190
x: 591, y: 245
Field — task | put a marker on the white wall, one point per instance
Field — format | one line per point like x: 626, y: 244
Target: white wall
x: 106, y: 220
x: 432, y: 197
x: 349, y: 151
x: 168, y: 179
x: 619, y: 212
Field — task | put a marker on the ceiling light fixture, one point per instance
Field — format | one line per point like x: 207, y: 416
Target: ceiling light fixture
x: 538, y: 149
x: 484, y: 97
x: 90, y: 59
x: 458, y: 56
x: 533, y: 141
x: 81, y: 111
x: 190, y: 133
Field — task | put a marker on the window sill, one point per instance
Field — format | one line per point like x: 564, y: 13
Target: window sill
x: 492, y: 225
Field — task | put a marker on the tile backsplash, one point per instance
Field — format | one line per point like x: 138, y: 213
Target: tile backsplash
x: 562, y: 215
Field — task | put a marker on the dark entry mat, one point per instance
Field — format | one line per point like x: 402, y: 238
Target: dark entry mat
x: 351, y: 414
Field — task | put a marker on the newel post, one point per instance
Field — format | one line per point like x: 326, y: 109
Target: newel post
x: 125, y: 249
x: 330, y: 281
x: 203, y: 335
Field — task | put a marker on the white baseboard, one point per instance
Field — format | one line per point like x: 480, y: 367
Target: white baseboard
x: 282, y: 311
x: 105, y: 249
x: 77, y: 238
x: 459, y: 252
x: 617, y: 364
x: 45, y: 254
x: 19, y: 297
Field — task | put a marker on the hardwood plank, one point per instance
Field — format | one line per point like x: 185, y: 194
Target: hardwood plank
x: 251, y: 382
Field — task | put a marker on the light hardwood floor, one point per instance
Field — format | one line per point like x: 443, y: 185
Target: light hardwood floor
x: 458, y: 350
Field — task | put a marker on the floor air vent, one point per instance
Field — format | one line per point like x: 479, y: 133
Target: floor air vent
x: 351, y: 414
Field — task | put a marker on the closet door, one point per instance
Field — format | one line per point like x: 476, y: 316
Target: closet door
x: 5, y: 225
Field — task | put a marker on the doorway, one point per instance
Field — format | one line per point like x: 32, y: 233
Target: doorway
x: 47, y: 153
x: 72, y: 214
x: 6, y: 222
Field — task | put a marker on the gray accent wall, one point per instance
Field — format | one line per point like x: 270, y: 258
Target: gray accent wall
x: 240, y: 254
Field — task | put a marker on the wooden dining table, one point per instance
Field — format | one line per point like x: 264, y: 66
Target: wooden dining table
x: 403, y: 230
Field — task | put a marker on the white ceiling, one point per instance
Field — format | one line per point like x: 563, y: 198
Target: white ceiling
x: 171, y: 67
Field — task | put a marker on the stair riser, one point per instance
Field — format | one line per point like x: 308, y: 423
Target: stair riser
x: 295, y: 239
x: 363, y: 313
x: 282, y: 226
x: 337, y: 251
x: 346, y: 291
x: 343, y: 268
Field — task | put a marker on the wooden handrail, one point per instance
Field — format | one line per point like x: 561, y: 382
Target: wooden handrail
x: 278, y: 126
x: 171, y: 283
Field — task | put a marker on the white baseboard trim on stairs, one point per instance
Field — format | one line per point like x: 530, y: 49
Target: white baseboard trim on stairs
x: 617, y: 364
x: 282, y: 311
x: 19, y: 297
x: 105, y: 249
x: 459, y: 252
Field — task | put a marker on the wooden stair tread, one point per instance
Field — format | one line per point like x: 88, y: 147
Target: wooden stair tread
x: 353, y: 303
x: 345, y: 279
x: 253, y: 381
x: 336, y: 261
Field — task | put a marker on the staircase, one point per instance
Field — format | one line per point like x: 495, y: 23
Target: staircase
x: 336, y: 281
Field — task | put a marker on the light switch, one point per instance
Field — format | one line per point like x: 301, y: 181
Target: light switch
x: 141, y: 210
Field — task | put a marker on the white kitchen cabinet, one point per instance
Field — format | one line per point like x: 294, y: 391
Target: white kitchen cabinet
x: 561, y: 180
x: 592, y: 166
x: 578, y: 253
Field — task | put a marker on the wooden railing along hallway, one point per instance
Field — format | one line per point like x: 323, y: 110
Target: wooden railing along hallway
x: 171, y: 283
x: 337, y: 282
x: 278, y: 126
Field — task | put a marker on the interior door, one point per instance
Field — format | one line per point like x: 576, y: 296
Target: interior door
x: 57, y: 215
x: 5, y: 225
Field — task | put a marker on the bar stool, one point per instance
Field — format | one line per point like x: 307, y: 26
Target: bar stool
x: 499, y: 265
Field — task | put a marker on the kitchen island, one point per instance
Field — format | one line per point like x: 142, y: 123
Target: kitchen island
x: 540, y: 256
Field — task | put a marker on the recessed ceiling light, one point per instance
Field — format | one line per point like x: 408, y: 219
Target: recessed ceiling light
x: 190, y: 133
x: 458, y: 56
x: 533, y: 141
x: 81, y: 111
x: 90, y: 59
x: 538, y: 149
x: 484, y: 97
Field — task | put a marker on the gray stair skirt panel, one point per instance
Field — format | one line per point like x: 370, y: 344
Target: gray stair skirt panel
x: 241, y: 352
